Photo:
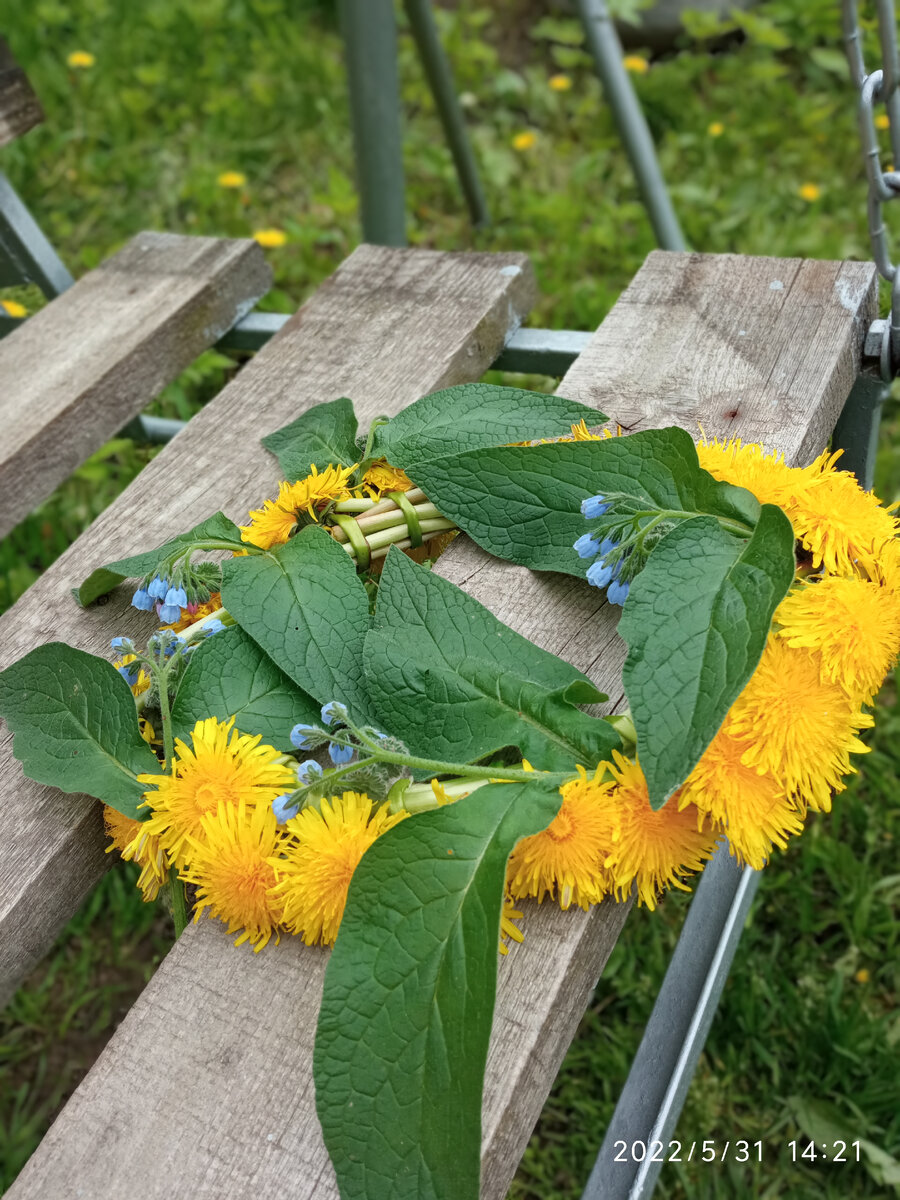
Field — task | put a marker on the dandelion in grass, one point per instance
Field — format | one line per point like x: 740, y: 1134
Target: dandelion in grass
x: 135, y: 844
x: 566, y: 859
x: 853, y: 623
x: 382, y: 477
x: 798, y: 724
x: 636, y: 63
x: 715, y: 129
x: 651, y: 851
x: 509, y: 930
x: 560, y: 83
x: 810, y: 192
x: 13, y: 308
x: 322, y: 852
x: 270, y: 239
x: 882, y: 121
x: 753, y: 809
x: 233, y: 874
x: 221, y: 766
x: 526, y: 140
x: 231, y: 179
x: 278, y: 520
x: 81, y: 60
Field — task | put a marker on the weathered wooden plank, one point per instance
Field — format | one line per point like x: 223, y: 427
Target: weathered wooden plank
x: 205, y: 1088
x: 82, y: 367
x: 20, y: 109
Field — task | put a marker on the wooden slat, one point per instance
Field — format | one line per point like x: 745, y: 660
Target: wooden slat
x: 205, y: 1089
x: 81, y: 368
x: 20, y: 109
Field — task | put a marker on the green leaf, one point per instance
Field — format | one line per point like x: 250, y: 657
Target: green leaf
x: 216, y: 528
x: 457, y: 684
x: 409, y: 997
x: 523, y: 502
x: 325, y: 434
x: 230, y: 676
x: 304, y: 604
x: 75, y: 725
x: 472, y: 415
x: 696, y: 622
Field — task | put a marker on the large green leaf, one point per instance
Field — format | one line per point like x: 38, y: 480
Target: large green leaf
x: 472, y: 415
x: 409, y: 998
x: 230, y: 676
x: 325, y: 434
x: 216, y: 528
x: 523, y: 502
x: 75, y: 725
x: 304, y: 604
x: 459, y: 683
x: 696, y: 621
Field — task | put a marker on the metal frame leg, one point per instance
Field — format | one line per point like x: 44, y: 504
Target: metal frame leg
x: 654, y: 1093
x: 604, y: 45
x: 856, y: 431
x: 25, y: 254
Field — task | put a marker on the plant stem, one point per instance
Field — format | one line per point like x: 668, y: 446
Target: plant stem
x: 179, y: 902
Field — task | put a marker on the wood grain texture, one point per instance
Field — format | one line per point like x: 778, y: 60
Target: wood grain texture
x: 205, y: 1088
x: 76, y: 372
x: 20, y: 109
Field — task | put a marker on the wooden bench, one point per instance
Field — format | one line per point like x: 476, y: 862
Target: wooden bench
x: 205, y: 1089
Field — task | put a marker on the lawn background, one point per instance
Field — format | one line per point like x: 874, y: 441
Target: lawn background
x: 745, y: 112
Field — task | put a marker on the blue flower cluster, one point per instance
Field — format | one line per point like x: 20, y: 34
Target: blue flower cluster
x: 606, y: 567
x: 170, y: 599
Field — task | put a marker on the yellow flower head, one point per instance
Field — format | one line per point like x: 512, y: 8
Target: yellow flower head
x: 222, y: 766
x: 277, y: 520
x: 749, y: 466
x: 233, y: 874
x: 715, y: 129
x: 560, y: 83
x: 509, y: 930
x: 635, y: 63
x: 13, y: 308
x: 525, y: 140
x: 882, y: 121
x: 142, y: 682
x: 382, y: 477
x: 753, y: 809
x: 809, y: 192
x: 81, y: 60
x: 581, y: 433
x: 651, y: 850
x: 322, y: 852
x: 131, y: 839
x: 566, y: 859
x: 853, y: 623
x: 270, y: 239
x: 797, y: 724
x: 231, y: 179
x: 189, y: 617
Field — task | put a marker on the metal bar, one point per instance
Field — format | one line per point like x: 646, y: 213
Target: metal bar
x: 440, y: 80
x: 541, y: 351
x: 252, y: 332
x: 24, y: 250
x: 654, y: 1093
x: 887, y: 28
x: 604, y: 44
x: 155, y: 430
x: 370, y: 42
x: 856, y: 431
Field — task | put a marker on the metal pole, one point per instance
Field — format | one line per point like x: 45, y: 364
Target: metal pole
x: 370, y: 40
x: 856, y: 431
x: 661, y: 1072
x: 440, y: 80
x: 25, y: 254
x: 604, y: 44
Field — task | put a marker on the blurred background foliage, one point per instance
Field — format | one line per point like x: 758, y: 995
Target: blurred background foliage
x: 754, y: 118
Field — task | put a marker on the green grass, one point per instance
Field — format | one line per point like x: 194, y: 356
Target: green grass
x: 180, y: 93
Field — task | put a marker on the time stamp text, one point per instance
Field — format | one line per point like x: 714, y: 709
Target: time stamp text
x: 740, y: 1151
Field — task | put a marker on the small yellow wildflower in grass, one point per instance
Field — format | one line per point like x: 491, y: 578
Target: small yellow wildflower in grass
x: 636, y: 63
x: 651, y: 851
x: 213, y: 604
x: 271, y: 239
x: 221, y: 766
x: 715, y: 129
x: 882, y: 121
x: 131, y: 839
x: 81, y: 60
x: 13, y: 308
x: 231, y: 179
x: 233, y: 874
x: 323, y: 850
x: 560, y: 83
x: 382, y: 477
x: 566, y: 859
x: 798, y: 724
x: 509, y: 930
x: 809, y: 192
x: 525, y: 140
x: 753, y: 808
x: 862, y: 975
x: 853, y: 623
x: 142, y: 682
x: 273, y: 524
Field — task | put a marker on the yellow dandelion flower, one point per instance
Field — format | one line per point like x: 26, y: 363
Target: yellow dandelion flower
x: 270, y: 239
x: 277, y: 520
x: 566, y: 859
x: 636, y: 63
x: 882, y: 121
x: 13, y: 308
x: 231, y: 179
x: 754, y: 809
x: 509, y: 930
x: 750, y: 466
x: 715, y: 129
x: 862, y: 975
x: 221, y: 766
x: 651, y: 850
x: 560, y: 83
x: 382, y: 477
x: 809, y: 192
x: 323, y: 850
x: 81, y: 60
x: 798, y: 724
x: 853, y: 623
x: 135, y: 844
x: 148, y: 733
x: 196, y: 612
x: 233, y: 874
x: 142, y: 682
x: 525, y: 140
x: 581, y: 433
